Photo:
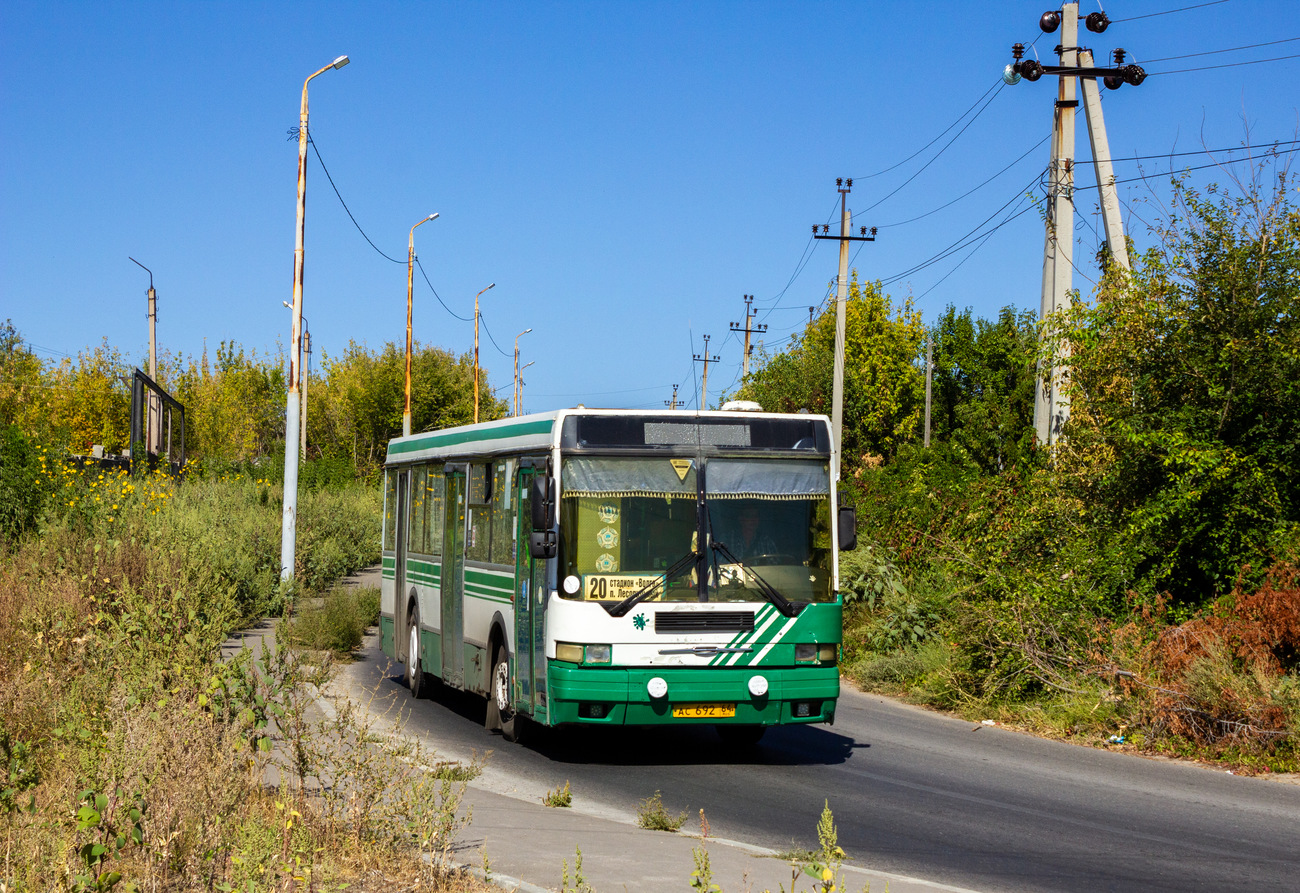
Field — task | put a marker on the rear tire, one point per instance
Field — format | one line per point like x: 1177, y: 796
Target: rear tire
x: 740, y: 737
x: 500, y: 711
x: 416, y: 679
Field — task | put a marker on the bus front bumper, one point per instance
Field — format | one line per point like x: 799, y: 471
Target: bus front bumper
x: 621, y: 695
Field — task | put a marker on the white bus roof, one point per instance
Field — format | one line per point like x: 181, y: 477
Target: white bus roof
x: 541, y: 432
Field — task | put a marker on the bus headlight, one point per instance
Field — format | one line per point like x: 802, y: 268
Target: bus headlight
x: 811, y: 652
x: 598, y: 654
x: 805, y: 652
x: 828, y: 653
x: 567, y: 652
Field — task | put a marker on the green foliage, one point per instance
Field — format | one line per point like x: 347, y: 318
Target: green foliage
x: 652, y: 815
x: 824, y: 868
x: 983, y: 386
x: 338, y: 623
x: 1186, y: 386
x: 560, y: 798
x: 24, y: 489
x: 884, y: 391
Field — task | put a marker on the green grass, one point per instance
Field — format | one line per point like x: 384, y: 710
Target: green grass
x: 338, y: 623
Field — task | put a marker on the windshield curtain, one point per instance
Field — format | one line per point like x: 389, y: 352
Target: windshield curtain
x: 768, y: 479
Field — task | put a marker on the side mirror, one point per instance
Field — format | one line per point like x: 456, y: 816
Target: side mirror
x: 543, y: 499
x: 541, y: 544
x: 847, y: 522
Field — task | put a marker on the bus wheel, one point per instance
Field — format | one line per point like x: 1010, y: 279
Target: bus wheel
x: 415, y: 677
x: 740, y: 737
x: 500, y: 712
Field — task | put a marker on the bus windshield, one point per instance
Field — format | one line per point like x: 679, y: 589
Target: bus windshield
x: 753, y: 526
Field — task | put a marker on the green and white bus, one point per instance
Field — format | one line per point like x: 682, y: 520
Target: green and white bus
x: 616, y: 567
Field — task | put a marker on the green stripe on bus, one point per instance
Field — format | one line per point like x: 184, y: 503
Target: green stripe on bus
x: 434, y: 440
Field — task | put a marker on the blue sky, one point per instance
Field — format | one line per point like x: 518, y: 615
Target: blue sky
x: 624, y: 172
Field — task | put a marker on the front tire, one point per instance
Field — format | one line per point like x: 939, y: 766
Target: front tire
x: 416, y: 679
x: 500, y: 710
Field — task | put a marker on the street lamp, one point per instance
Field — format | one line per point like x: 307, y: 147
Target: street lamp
x: 521, y: 385
x: 288, y: 528
x: 410, y: 273
x: 153, y: 437
x: 306, y: 372
x: 476, y: 297
x: 516, y: 391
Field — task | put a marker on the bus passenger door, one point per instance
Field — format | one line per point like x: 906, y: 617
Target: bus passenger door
x: 530, y: 615
x: 401, y: 636
x: 453, y: 578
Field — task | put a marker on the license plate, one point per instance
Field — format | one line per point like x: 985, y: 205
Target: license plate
x: 703, y: 711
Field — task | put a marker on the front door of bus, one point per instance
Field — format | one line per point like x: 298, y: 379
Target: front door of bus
x: 401, y: 635
x: 530, y: 610
x: 453, y: 578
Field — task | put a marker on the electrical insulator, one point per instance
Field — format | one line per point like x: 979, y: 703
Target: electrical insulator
x: 1097, y: 22
x: 1049, y: 22
x: 1009, y: 76
x: 1113, y: 81
x: 1134, y: 74
x: 1031, y: 69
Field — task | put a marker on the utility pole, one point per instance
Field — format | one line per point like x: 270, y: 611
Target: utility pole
x: 672, y: 404
x: 841, y: 295
x: 153, y: 434
x: 705, y: 359
x: 1051, y: 404
x: 736, y: 327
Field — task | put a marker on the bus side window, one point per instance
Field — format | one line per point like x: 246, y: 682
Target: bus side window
x: 480, y: 514
x: 503, y: 516
x: 415, y: 539
x: 390, y: 509
x: 434, y: 502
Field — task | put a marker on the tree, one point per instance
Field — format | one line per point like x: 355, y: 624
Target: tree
x: 884, y: 390
x: 983, y: 385
x: 1186, y: 389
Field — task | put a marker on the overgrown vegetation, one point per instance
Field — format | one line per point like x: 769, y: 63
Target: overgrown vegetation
x: 653, y: 816
x: 336, y: 622
x: 1140, y: 582
x: 134, y: 758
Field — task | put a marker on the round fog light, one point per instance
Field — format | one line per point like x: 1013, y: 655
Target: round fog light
x: 657, y: 687
x: 758, y: 686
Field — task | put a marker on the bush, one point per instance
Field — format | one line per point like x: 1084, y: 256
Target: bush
x: 23, y: 490
x: 339, y: 623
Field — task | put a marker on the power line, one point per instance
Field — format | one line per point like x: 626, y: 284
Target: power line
x: 997, y: 89
x: 933, y: 141
x: 1250, y: 46
x: 964, y: 194
x: 1225, y: 65
x: 1166, y: 12
x: 438, y: 296
x: 312, y: 143
x: 483, y: 323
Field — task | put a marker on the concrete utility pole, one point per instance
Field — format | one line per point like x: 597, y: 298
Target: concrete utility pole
x: 1051, y: 404
x: 747, y: 329
x: 153, y: 423
x: 672, y: 404
x: 705, y: 359
x: 289, y: 525
x: 410, y: 282
x: 841, y: 298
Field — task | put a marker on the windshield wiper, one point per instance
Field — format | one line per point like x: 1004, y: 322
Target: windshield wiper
x: 649, y: 589
x: 769, y: 592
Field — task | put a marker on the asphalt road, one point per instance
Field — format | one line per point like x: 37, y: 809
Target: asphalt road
x: 913, y: 793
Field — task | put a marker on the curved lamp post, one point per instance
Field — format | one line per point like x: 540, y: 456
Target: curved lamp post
x: 288, y: 528
x: 410, y: 279
x: 516, y: 391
